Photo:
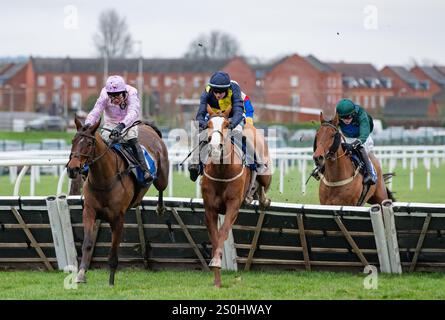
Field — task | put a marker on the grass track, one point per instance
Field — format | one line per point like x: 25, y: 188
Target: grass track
x: 190, y: 285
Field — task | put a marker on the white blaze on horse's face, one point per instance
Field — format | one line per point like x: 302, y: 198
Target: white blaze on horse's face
x: 216, y: 142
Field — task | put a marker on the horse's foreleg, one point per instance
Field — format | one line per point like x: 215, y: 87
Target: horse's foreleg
x: 211, y: 221
x: 116, y: 228
x: 232, y: 209
x: 264, y: 201
x: 160, y: 209
x: 89, y: 218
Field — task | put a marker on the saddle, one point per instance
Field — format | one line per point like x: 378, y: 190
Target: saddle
x: 358, y: 163
x: 125, y: 152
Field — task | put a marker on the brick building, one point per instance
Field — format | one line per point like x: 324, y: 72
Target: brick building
x: 292, y: 89
x: 411, y: 112
x: 405, y: 83
x: 364, y: 85
x: 16, y: 87
x: 298, y: 82
x: 73, y: 84
x: 434, y: 75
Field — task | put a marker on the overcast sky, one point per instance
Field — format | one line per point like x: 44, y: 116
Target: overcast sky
x: 335, y: 30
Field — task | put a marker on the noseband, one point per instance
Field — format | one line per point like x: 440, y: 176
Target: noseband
x: 91, y: 158
x: 335, y: 144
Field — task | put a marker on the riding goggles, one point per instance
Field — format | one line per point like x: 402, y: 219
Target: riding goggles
x: 112, y: 95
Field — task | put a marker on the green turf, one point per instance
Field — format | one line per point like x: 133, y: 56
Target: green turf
x: 183, y: 187
x: 141, y: 284
x: 36, y: 136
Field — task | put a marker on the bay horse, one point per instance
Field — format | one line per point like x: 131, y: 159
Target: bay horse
x: 224, y: 186
x: 110, y: 190
x: 341, y: 183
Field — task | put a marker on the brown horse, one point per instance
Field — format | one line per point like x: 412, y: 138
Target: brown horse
x: 109, y: 189
x: 224, y: 186
x: 341, y: 183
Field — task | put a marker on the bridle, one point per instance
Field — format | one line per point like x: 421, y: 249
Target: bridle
x: 223, y: 141
x: 91, y: 157
x: 338, y: 137
x: 331, y: 155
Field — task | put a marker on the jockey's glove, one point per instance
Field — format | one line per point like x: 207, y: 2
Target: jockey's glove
x: 348, y: 147
x: 356, y: 144
x: 118, y: 129
x: 202, y: 125
x: 231, y: 125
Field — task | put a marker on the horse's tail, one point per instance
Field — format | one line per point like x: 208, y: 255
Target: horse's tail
x: 154, y: 127
x: 386, y: 178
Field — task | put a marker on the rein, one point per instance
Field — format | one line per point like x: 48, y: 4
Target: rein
x: 338, y: 136
x: 91, y: 159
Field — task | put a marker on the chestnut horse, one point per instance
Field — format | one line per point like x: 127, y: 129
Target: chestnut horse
x: 224, y: 186
x: 110, y: 190
x: 341, y: 183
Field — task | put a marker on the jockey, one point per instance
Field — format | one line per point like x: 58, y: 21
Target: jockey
x: 120, y: 104
x: 221, y: 93
x: 356, y: 125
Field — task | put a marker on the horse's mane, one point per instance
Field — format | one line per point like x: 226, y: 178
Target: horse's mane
x: 154, y: 127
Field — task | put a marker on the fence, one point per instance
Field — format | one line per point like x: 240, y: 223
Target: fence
x: 284, y: 159
x: 47, y: 232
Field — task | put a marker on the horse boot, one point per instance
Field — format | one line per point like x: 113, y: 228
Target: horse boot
x: 139, y: 155
x: 368, y: 178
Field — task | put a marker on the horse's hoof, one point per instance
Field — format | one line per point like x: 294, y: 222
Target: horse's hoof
x: 217, y: 284
x: 215, y: 263
x: 81, y: 278
x: 265, y: 204
x: 160, y: 211
x: 248, y: 200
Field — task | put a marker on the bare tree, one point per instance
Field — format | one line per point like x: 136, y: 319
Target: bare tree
x: 215, y: 45
x: 112, y: 40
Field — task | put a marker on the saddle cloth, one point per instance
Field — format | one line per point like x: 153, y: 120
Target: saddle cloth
x: 127, y: 156
x: 358, y: 163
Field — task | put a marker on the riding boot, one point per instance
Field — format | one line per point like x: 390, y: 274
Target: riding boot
x: 255, y: 166
x: 139, y: 155
x: 195, y: 166
x: 368, y: 178
x: 252, y: 159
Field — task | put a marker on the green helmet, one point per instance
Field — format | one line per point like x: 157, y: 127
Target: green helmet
x: 345, y: 107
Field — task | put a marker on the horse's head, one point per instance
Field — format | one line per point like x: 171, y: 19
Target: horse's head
x: 327, y: 140
x: 217, y: 132
x: 82, y: 149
